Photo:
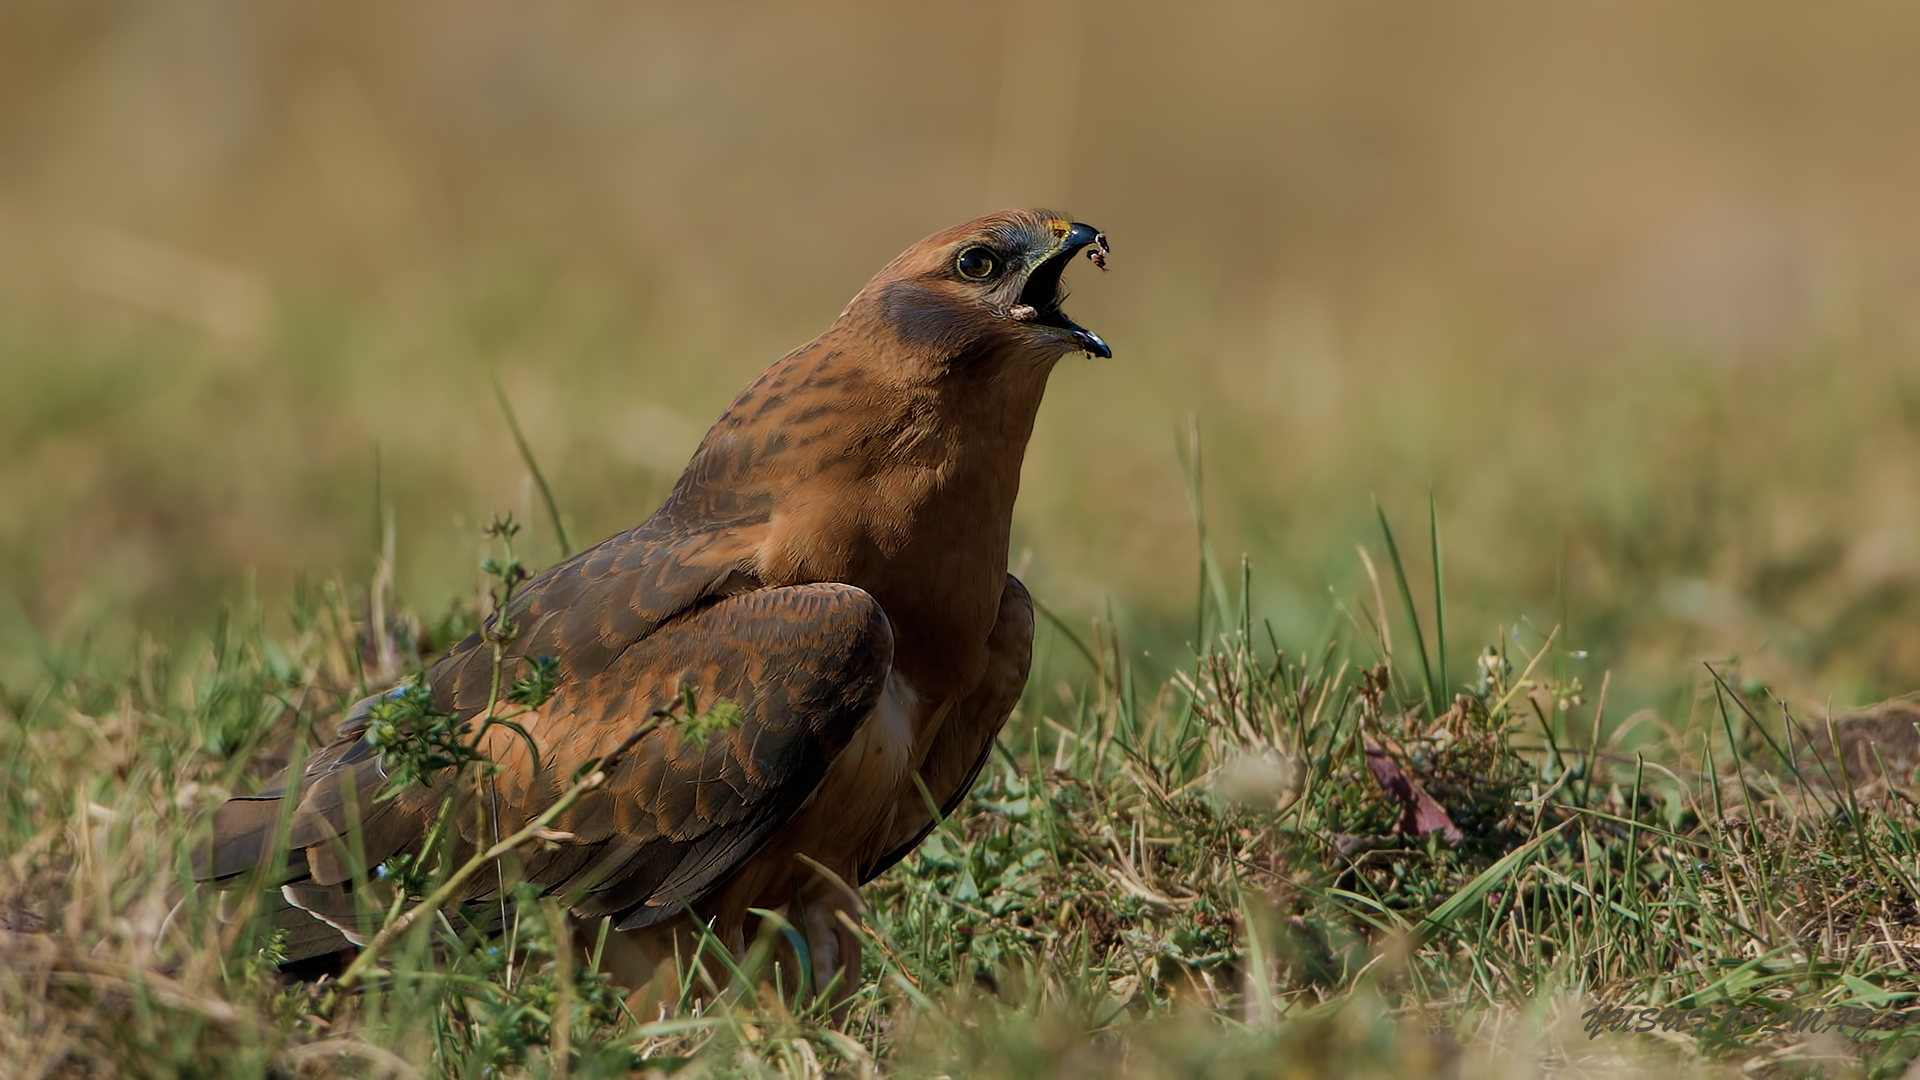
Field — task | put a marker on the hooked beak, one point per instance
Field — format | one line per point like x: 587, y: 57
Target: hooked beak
x: 1043, y: 292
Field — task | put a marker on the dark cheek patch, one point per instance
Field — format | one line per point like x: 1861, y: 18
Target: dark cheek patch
x: 928, y: 318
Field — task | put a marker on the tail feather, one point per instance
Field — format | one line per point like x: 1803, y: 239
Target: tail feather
x: 242, y: 839
x: 353, y: 915
x: 356, y: 916
x: 307, y: 937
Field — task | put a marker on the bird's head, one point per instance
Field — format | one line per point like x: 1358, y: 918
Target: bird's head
x: 990, y: 285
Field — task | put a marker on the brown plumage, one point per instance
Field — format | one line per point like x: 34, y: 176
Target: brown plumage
x: 832, y: 562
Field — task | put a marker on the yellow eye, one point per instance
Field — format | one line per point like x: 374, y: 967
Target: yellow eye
x: 977, y: 264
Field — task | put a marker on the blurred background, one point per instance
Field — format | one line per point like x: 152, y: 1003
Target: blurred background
x: 1626, y: 286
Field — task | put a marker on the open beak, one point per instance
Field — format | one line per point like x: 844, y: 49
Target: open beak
x: 1043, y: 291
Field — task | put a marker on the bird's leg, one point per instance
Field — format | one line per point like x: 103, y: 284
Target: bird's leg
x: 829, y: 910
x: 656, y: 963
x: 646, y: 962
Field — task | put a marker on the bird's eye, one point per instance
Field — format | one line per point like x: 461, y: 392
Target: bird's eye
x: 976, y: 264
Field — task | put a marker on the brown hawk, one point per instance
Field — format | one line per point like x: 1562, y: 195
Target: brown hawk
x: 830, y: 568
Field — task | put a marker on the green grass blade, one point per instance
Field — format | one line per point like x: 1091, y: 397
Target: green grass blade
x: 1439, y: 602
x: 1212, y: 587
x: 540, y: 478
x: 1457, y: 904
x: 1413, y: 616
x: 1080, y: 645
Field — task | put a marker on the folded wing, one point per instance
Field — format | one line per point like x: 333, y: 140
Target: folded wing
x: 780, y: 679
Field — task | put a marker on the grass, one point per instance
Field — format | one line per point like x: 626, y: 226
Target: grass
x: 1181, y: 872
x: 1618, y: 294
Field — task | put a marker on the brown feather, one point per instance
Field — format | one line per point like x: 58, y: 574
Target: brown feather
x: 963, y: 744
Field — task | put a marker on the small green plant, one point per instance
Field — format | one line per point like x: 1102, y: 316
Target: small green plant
x: 535, y: 685
x: 699, y: 725
x: 416, y: 740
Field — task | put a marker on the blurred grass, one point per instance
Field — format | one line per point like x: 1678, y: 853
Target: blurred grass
x: 1623, y: 286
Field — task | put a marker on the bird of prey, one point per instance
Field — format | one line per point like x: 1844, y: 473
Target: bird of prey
x: 828, y: 577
